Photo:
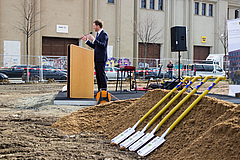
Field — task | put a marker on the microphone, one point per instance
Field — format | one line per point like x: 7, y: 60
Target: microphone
x: 86, y: 34
x: 81, y: 38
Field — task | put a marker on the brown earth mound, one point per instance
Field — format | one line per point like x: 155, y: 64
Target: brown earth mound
x: 210, y: 131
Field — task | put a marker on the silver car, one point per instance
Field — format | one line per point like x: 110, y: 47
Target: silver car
x: 111, y: 74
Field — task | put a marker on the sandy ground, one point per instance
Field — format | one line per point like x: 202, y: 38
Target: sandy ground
x: 27, y: 113
x: 27, y: 130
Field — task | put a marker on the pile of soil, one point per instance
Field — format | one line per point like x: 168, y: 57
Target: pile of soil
x: 210, y: 131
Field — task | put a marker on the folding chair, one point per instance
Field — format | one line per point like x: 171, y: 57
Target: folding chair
x: 155, y: 77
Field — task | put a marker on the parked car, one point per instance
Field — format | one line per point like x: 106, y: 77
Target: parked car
x: 203, y: 70
x: 3, y: 77
x: 153, y: 72
x: 53, y: 68
x: 49, y: 72
x: 140, y: 72
x: 15, y: 71
x: 111, y: 73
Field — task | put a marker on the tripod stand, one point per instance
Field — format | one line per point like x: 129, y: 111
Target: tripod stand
x: 179, y: 77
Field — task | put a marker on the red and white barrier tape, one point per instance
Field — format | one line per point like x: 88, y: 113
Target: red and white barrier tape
x: 165, y: 69
x: 35, y: 68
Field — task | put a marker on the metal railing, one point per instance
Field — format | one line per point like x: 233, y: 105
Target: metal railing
x: 151, y: 65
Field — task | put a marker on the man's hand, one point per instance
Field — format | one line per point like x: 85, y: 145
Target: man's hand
x: 83, y: 37
x: 90, y: 36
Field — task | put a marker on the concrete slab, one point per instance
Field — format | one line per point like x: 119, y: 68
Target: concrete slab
x: 233, y: 89
x: 232, y: 99
x: 62, y: 99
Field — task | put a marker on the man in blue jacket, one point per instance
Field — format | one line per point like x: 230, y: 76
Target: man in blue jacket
x: 99, y: 44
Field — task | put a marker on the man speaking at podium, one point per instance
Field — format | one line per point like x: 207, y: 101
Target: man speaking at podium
x: 99, y: 44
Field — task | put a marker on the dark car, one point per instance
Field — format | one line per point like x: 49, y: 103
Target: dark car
x: 153, y: 72
x: 164, y: 74
x: 3, y: 77
x: 15, y: 71
x: 148, y: 72
x: 49, y: 72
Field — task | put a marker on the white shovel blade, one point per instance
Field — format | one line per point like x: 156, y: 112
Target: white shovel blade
x: 125, y: 134
x: 151, y: 146
x: 141, y: 142
x: 132, y: 139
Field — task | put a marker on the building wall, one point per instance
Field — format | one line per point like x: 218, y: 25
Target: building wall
x: 8, y: 21
x: 203, y: 26
x: 119, y: 19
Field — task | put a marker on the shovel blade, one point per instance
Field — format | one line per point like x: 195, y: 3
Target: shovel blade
x: 125, y: 134
x: 151, y: 146
x: 141, y: 142
x: 132, y: 139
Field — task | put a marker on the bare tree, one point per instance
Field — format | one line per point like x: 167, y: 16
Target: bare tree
x: 223, y: 37
x: 147, y: 31
x: 30, y: 24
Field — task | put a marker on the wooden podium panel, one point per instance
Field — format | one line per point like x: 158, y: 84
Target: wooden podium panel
x: 80, y: 82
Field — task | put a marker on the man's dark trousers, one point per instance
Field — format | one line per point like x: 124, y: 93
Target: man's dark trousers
x: 100, y: 75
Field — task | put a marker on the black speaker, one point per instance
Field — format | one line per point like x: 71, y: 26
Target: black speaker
x: 178, y: 39
x: 236, y: 13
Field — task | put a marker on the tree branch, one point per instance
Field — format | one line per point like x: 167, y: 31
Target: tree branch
x: 27, y: 10
x: 147, y: 30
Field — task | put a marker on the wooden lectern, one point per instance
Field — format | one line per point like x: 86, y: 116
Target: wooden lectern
x: 80, y: 72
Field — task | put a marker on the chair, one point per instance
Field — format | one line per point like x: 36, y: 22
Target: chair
x: 155, y: 77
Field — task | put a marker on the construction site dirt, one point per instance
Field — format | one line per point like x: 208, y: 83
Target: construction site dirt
x: 33, y: 128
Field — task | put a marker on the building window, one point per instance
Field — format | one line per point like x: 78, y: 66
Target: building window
x: 110, y: 1
x: 196, y: 7
x: 210, y: 10
x: 151, y: 4
x: 204, y: 9
x: 143, y: 3
x: 160, y: 4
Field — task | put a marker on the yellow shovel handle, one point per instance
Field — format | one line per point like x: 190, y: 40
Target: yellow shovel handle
x: 194, y: 103
x: 163, y: 99
x: 182, y: 101
x: 173, y: 99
